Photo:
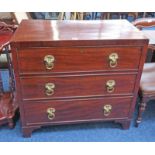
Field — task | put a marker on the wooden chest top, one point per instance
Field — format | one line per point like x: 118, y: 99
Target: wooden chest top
x: 77, y: 32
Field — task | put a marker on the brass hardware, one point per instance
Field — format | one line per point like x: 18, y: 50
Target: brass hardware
x: 51, y: 113
x: 107, y: 109
x: 49, y: 89
x: 113, y: 57
x: 110, y: 84
x: 49, y: 61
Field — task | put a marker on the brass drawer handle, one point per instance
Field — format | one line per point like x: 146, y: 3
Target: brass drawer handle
x: 49, y: 89
x: 107, y: 109
x: 51, y: 113
x: 110, y: 84
x: 49, y: 61
x: 113, y: 57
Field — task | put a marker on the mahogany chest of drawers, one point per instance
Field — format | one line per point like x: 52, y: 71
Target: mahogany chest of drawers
x: 77, y: 71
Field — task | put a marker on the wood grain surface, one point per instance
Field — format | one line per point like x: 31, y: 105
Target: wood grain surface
x: 76, y: 110
x: 76, y: 86
x: 31, y: 61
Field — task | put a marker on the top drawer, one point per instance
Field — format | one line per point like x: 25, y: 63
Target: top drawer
x: 67, y: 60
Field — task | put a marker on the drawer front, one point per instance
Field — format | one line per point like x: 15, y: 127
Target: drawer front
x: 37, y: 88
x: 64, y: 60
x: 76, y: 110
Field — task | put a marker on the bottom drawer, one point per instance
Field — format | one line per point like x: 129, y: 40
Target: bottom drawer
x: 65, y: 111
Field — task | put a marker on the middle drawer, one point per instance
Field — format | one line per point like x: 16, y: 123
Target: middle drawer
x: 50, y: 87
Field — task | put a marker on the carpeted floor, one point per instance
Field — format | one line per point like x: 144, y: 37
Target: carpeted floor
x: 92, y: 132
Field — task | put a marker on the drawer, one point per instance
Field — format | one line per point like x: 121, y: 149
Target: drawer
x: 76, y: 110
x: 51, y: 87
x: 65, y: 60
